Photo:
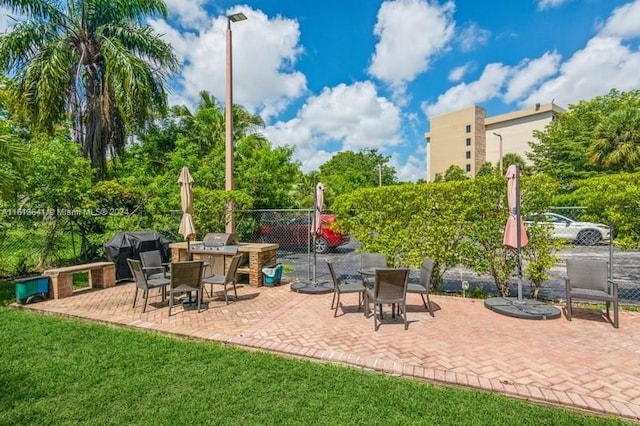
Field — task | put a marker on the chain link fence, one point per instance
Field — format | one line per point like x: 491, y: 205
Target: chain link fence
x: 290, y: 229
x: 305, y: 257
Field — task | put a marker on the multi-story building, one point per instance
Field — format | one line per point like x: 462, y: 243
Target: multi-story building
x: 468, y: 138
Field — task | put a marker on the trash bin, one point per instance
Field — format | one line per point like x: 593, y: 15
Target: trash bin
x: 272, y: 275
x: 32, y: 289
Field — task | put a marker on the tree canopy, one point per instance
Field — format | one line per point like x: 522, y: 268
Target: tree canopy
x: 96, y: 59
x: 590, y: 138
x: 348, y: 170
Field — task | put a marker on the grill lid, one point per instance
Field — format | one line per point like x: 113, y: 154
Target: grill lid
x: 213, y: 239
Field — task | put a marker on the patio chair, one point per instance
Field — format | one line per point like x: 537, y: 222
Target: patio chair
x: 422, y: 287
x: 589, y: 280
x: 371, y: 260
x: 340, y: 287
x: 145, y: 284
x: 186, y: 278
x: 152, y: 264
x: 389, y: 287
x: 228, y: 278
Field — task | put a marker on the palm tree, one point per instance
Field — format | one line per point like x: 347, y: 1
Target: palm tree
x: 617, y: 143
x: 93, y: 62
x: 12, y: 156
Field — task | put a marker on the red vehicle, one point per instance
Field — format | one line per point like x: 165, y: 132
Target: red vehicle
x: 292, y: 234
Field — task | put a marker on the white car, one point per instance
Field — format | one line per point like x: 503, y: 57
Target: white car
x: 586, y: 233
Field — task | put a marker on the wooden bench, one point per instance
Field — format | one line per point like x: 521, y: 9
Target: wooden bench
x: 101, y: 275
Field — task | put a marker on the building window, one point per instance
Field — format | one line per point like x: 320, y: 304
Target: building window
x: 468, y: 155
x: 468, y: 141
x: 467, y: 168
x: 468, y: 128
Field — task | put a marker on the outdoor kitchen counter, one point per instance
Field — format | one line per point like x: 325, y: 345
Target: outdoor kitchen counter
x: 259, y: 255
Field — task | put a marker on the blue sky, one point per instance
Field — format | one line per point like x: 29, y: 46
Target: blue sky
x: 337, y: 75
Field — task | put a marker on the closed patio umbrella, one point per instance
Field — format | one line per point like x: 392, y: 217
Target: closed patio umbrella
x: 318, y: 207
x: 313, y: 286
x: 514, y: 237
x: 187, y: 228
x: 515, y: 234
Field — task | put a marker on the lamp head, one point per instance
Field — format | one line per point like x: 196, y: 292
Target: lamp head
x: 237, y: 17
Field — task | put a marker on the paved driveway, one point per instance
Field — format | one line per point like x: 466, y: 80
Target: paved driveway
x: 626, y: 270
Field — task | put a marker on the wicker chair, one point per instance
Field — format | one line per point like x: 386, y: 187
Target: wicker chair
x: 145, y: 284
x: 228, y: 279
x: 589, y: 280
x: 152, y: 264
x: 340, y: 287
x: 390, y: 287
x: 422, y: 287
x: 371, y: 260
x: 186, y: 277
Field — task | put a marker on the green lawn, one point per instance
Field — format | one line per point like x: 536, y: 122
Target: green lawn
x: 61, y: 371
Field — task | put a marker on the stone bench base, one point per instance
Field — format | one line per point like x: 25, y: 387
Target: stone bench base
x: 101, y: 275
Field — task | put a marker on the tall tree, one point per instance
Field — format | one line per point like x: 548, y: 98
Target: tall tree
x: 348, y: 170
x: 562, y: 149
x: 94, y: 59
x: 13, y: 151
x: 618, y: 141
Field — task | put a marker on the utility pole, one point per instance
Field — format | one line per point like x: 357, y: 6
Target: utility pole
x: 380, y: 174
x: 500, y: 152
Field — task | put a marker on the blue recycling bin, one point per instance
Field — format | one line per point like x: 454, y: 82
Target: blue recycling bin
x: 32, y: 289
x: 272, y: 275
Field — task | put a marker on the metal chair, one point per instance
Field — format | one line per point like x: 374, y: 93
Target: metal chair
x: 340, y: 287
x: 228, y: 278
x: 589, y: 280
x: 390, y: 287
x: 145, y: 284
x: 422, y: 287
x: 186, y: 277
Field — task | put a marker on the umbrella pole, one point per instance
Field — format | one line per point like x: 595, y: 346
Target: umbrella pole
x: 518, y: 233
x: 313, y: 287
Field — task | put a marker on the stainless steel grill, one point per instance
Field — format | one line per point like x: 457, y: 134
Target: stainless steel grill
x: 218, y: 239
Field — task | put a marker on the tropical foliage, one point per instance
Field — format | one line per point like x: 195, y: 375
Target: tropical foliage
x: 348, y: 170
x: 593, y: 137
x: 457, y: 222
x: 94, y: 59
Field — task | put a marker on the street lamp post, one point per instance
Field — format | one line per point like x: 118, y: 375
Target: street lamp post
x: 228, y: 129
x: 499, y: 152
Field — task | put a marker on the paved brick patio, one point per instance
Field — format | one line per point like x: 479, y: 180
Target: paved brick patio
x: 585, y: 363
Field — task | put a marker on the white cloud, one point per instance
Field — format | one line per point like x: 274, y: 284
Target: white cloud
x: 548, y: 4
x: 410, y: 169
x: 458, y: 73
x: 530, y: 73
x: 265, y: 51
x: 603, y: 64
x: 351, y: 116
x: 466, y: 94
x: 189, y: 13
x: 624, y: 22
x: 410, y: 33
x: 472, y: 36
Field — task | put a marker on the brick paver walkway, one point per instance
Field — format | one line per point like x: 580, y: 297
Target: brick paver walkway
x: 585, y: 363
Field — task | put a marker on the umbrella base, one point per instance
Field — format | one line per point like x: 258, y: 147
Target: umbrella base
x: 523, y: 309
x: 309, y: 287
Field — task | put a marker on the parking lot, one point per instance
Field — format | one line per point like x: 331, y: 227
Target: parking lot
x: 626, y: 270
